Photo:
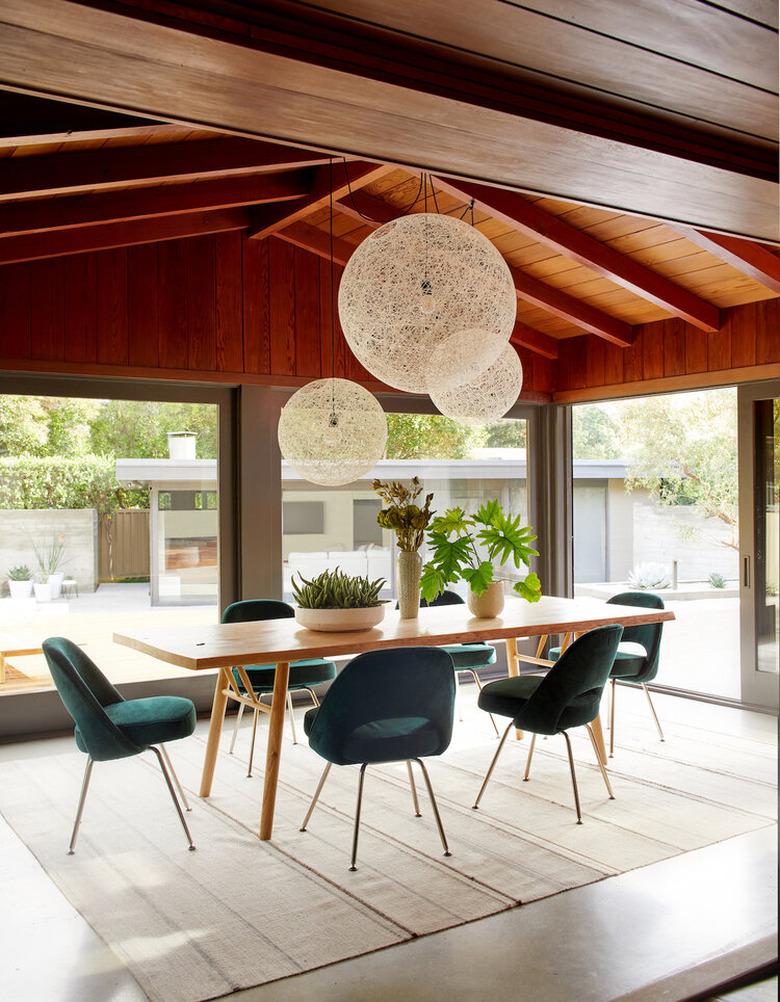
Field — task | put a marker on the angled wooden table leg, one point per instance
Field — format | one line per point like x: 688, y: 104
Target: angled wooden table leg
x: 215, y: 729
x: 273, y: 753
x: 513, y: 669
x: 598, y: 734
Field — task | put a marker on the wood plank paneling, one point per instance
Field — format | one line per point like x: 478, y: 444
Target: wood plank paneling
x: 172, y: 277
x: 15, y: 312
x: 768, y: 332
x: 143, y: 305
x: 257, y: 306
x: 112, y: 346
x: 307, y: 314
x: 743, y: 325
x: 674, y: 347
x: 201, y: 304
x: 695, y: 350
x: 80, y: 307
x: 282, y: 303
x: 227, y: 283
x: 47, y: 310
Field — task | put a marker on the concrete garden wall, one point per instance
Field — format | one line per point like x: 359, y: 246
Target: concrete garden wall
x: 78, y: 527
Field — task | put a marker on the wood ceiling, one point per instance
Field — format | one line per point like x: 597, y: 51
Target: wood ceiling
x: 662, y: 108
x: 577, y: 269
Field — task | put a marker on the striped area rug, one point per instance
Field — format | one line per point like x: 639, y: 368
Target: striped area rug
x: 238, y: 913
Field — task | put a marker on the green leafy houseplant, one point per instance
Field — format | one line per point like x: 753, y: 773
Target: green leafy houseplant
x: 20, y: 573
x: 402, y: 514
x: 470, y: 547
x: 337, y: 590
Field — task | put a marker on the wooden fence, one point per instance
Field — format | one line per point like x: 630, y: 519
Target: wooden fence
x: 123, y: 545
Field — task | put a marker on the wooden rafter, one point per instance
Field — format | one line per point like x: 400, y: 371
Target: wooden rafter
x: 576, y: 311
x: 367, y: 209
x: 32, y: 246
x: 747, y: 256
x: 313, y: 239
x: 528, y: 218
x: 268, y: 221
x: 39, y: 215
x: 137, y: 166
x: 141, y: 133
x: 534, y: 340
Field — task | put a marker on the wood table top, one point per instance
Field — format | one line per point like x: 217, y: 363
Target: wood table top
x: 221, y: 645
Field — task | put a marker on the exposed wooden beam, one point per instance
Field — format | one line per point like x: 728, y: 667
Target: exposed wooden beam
x: 752, y: 259
x: 145, y: 165
x: 39, y: 215
x: 267, y: 221
x: 31, y: 246
x: 317, y: 241
x: 158, y: 133
x: 576, y: 311
x: 367, y: 209
x: 528, y: 218
x: 534, y: 340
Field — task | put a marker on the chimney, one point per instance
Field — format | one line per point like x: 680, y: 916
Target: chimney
x: 181, y: 444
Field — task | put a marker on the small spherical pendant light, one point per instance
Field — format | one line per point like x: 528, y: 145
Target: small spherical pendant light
x: 332, y: 431
x: 486, y: 398
x: 413, y: 283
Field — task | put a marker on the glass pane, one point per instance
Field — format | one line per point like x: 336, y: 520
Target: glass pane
x: 110, y: 508
x: 655, y: 508
x: 324, y: 528
x: 767, y: 542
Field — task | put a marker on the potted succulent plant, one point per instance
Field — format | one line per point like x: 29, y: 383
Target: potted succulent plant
x: 472, y: 548
x: 334, y: 602
x: 50, y: 558
x: 408, y: 520
x: 20, y: 582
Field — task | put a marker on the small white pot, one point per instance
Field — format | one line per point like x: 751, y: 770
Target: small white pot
x: 20, y: 589
x: 340, y: 620
x: 42, y: 591
x: 55, y: 581
x: 490, y: 603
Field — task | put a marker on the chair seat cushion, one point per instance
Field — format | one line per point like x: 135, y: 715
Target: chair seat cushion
x: 508, y: 696
x: 151, y: 721
x: 628, y: 664
x: 392, y: 740
x: 471, y: 655
x: 304, y: 673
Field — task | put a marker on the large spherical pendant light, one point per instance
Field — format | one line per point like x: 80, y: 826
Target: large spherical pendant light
x: 486, y: 398
x: 332, y: 431
x: 463, y: 357
x: 413, y: 283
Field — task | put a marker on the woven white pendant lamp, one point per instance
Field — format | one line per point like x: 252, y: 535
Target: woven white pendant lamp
x: 332, y: 431
x: 486, y: 398
x: 411, y: 285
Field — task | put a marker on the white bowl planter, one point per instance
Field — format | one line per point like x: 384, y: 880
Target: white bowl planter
x: 20, y: 589
x: 42, y: 591
x: 340, y: 620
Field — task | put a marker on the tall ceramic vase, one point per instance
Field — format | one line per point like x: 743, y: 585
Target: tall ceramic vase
x: 409, y: 571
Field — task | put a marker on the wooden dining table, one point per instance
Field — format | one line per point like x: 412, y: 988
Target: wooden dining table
x: 230, y: 647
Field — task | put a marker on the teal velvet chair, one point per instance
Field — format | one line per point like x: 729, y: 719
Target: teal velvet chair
x: 303, y: 674
x: 110, y: 727
x: 385, y: 706
x: 634, y: 667
x: 467, y: 658
x: 567, y: 696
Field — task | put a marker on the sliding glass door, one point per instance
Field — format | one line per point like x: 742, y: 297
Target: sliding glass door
x: 759, y: 474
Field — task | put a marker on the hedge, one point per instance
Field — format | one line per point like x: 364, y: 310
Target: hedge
x: 56, y: 482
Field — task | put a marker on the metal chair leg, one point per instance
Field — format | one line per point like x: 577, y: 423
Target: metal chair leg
x: 172, y: 771
x: 612, y: 719
x: 478, y: 684
x: 313, y: 695
x: 292, y: 717
x: 573, y: 777
x: 80, y: 808
x: 415, y: 801
x: 528, y: 760
x: 174, y: 798
x: 435, y: 807
x: 486, y: 780
x: 458, y: 703
x: 236, y: 726
x: 356, y: 832
x: 316, y: 796
x: 604, y: 774
x: 252, y: 745
x: 655, y: 715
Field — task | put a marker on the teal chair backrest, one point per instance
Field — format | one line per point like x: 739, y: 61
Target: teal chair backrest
x: 570, y: 693
x: 649, y: 635
x: 387, y: 685
x: 254, y: 610
x: 85, y: 690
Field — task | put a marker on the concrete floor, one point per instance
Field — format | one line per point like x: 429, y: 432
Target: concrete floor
x: 665, y: 932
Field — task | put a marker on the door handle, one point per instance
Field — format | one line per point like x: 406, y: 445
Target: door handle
x: 746, y: 571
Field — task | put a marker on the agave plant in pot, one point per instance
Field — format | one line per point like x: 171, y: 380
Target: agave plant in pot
x: 474, y: 548
x: 335, y: 602
x: 408, y: 520
x: 20, y: 583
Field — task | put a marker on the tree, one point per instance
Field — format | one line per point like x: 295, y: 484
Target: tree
x: 506, y: 434
x: 429, y: 436
x: 137, y: 429
x: 69, y: 421
x: 595, y: 433
x: 23, y: 426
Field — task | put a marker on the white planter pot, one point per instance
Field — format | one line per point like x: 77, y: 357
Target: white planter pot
x: 489, y: 604
x: 42, y: 591
x: 55, y: 581
x: 340, y: 620
x: 20, y: 589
